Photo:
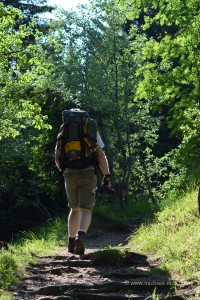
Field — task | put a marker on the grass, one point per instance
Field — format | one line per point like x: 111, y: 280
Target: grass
x: 45, y: 240
x: 9, y: 270
x: 116, y: 215
x: 5, y: 296
x: 174, y: 237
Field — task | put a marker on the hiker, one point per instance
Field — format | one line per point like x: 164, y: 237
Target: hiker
x: 80, y: 182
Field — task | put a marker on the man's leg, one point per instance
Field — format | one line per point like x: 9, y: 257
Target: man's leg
x: 86, y: 193
x: 84, y: 223
x: 85, y: 219
x: 73, y: 225
x: 73, y: 221
x: 79, y: 220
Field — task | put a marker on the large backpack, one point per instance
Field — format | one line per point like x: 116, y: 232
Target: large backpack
x: 78, y: 139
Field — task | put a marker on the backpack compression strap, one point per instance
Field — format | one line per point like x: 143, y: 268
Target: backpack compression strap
x: 82, y: 128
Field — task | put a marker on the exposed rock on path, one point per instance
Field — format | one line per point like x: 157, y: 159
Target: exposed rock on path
x: 102, y: 273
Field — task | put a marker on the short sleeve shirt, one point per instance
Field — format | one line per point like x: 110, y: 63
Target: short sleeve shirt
x: 99, y: 141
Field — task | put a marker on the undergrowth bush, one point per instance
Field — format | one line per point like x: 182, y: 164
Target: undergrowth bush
x: 133, y: 209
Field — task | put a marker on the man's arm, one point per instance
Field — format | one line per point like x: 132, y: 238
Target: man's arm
x: 102, y: 161
x: 104, y: 166
x: 57, y: 158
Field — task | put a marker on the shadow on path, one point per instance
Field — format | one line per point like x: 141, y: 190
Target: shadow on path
x: 106, y: 271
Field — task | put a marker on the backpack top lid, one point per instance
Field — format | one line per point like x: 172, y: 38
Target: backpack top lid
x: 74, y: 112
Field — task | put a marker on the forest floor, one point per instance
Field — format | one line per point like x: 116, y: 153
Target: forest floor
x: 107, y: 270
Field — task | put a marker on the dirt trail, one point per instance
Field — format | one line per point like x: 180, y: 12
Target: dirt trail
x: 100, y: 274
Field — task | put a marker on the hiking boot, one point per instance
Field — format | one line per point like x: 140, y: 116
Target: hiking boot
x: 71, y: 244
x: 80, y: 243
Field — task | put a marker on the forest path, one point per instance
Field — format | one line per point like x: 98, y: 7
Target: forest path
x: 102, y: 273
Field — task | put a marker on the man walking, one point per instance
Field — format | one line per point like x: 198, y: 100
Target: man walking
x: 80, y: 186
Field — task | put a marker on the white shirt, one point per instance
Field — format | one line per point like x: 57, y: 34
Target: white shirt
x: 99, y: 141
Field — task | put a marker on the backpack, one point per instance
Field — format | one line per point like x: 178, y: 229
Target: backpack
x: 78, y: 139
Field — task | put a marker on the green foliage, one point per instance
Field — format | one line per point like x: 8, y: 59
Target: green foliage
x: 24, y: 80
x: 169, y: 76
x: 117, y: 215
x: 41, y: 240
x: 178, y: 226
x: 5, y: 295
x: 30, y: 9
x: 21, y: 68
x: 98, y: 52
x: 9, y: 270
x: 22, y: 199
x: 133, y: 67
x: 44, y: 240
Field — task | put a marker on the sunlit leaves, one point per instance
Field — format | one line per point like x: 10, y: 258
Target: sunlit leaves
x: 169, y: 70
x: 23, y: 69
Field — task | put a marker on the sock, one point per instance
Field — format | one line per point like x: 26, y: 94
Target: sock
x: 85, y: 220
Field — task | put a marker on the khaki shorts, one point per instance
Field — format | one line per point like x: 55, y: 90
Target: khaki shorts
x: 80, y: 186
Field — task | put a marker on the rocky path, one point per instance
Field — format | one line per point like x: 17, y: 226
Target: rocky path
x: 104, y: 272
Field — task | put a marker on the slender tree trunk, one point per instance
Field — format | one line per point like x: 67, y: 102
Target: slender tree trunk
x: 119, y: 136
